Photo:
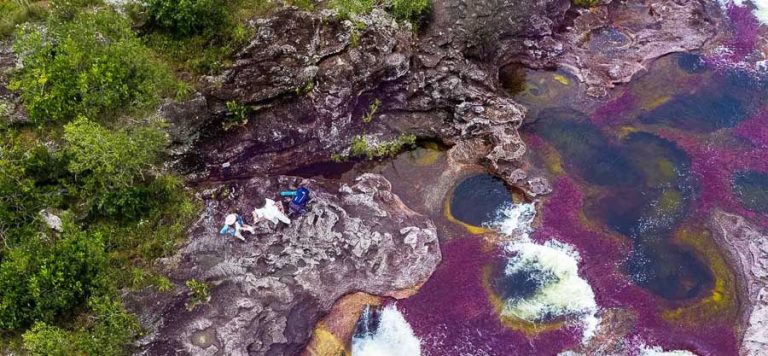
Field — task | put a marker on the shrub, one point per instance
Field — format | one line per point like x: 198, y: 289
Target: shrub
x: 68, y: 9
x: 27, y: 175
x: 108, y: 160
x: 237, y: 114
x: 409, y: 10
x: 187, y: 17
x: 199, y: 293
x: 372, y: 110
x: 111, y: 330
x: 93, y: 66
x: 41, y: 281
x: 348, y: 8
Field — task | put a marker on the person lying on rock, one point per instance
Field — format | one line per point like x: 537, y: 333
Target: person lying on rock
x: 233, y: 224
x: 272, y: 211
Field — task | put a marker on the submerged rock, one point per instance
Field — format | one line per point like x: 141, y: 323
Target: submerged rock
x: 268, y: 293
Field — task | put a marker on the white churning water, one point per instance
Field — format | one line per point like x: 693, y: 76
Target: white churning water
x: 393, y: 337
x: 560, y: 291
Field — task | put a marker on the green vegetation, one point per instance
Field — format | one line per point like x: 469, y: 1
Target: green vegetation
x: 360, y: 147
x: 237, y: 114
x: 92, y: 65
x: 409, y: 10
x: 404, y: 10
x: 348, y: 8
x: 200, y: 292
x: 372, y: 109
x: 91, y: 158
x: 204, y: 44
x: 186, y: 17
x: 14, y: 12
x: 110, y: 327
x: 585, y: 3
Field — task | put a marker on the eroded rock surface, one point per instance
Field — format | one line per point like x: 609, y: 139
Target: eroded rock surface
x: 11, y: 110
x: 268, y: 293
x: 748, y: 247
x: 607, y: 45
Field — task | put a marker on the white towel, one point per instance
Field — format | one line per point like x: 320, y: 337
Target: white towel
x: 270, y: 212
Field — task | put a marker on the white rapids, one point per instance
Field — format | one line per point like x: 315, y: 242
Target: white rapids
x: 393, y: 337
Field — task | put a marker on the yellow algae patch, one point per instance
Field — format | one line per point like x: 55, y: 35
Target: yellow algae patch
x: 529, y: 329
x: 427, y: 156
x: 561, y: 79
x: 553, y: 161
x: 670, y: 201
x: 472, y: 229
x: 722, y: 302
x: 332, y: 335
x: 656, y: 102
x: 325, y: 343
x: 666, y: 170
x: 625, y: 131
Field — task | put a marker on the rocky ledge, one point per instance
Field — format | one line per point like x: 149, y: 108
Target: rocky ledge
x: 748, y: 249
x: 267, y: 293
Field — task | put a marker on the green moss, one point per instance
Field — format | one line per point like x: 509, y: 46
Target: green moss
x: 585, y: 3
x: 360, y: 148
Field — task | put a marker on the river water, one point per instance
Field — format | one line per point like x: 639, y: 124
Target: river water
x: 621, y: 253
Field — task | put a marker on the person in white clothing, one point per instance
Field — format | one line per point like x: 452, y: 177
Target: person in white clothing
x: 272, y: 212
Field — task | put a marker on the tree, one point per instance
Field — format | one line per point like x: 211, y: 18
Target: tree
x: 187, y: 17
x: 109, y: 160
x: 43, y: 280
x: 93, y: 65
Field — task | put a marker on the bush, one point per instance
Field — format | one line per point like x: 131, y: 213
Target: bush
x: 200, y: 292
x: 187, y: 17
x: 409, y: 10
x: 109, y: 160
x: 93, y: 66
x: 28, y: 177
x: 41, y: 281
x: 348, y: 8
x: 112, y: 330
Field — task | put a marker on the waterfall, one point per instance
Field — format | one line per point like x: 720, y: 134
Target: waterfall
x: 384, y: 333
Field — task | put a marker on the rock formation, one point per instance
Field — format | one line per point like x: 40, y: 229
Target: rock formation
x: 307, y: 80
x: 268, y: 293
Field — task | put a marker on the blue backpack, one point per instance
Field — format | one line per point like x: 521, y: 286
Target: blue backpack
x: 301, y: 198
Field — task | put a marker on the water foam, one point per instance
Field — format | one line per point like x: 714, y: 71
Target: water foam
x: 393, y: 337
x: 562, y: 292
x: 658, y: 351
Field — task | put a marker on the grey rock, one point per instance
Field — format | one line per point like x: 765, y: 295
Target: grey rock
x: 267, y: 293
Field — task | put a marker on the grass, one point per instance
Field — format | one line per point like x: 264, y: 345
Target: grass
x: 15, y: 12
